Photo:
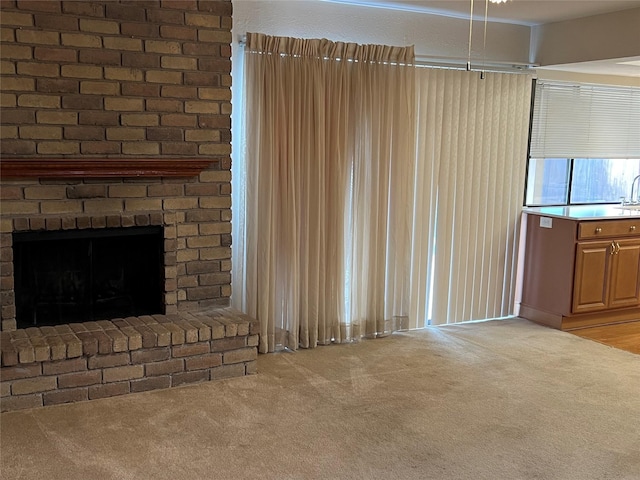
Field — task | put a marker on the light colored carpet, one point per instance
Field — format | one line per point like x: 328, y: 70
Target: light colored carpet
x: 491, y: 400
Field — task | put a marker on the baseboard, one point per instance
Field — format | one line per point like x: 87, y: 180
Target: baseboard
x: 562, y: 322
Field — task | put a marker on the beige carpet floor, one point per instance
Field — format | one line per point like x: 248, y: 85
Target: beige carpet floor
x: 489, y: 400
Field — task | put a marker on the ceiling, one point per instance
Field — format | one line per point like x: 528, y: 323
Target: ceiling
x: 525, y: 12
x: 521, y: 12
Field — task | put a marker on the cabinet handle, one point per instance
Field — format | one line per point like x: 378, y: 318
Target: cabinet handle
x: 617, y: 248
x: 613, y: 248
x: 598, y: 230
x: 632, y: 228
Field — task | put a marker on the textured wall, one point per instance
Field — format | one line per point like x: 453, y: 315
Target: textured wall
x: 129, y: 79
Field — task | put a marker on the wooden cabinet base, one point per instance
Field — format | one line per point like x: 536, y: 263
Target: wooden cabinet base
x: 575, y: 322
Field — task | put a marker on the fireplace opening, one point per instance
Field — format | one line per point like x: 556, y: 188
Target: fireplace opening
x: 84, y: 275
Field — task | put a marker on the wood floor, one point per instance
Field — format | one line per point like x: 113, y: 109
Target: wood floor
x: 625, y: 336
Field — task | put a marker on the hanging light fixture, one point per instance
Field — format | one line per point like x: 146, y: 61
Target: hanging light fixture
x: 484, y: 46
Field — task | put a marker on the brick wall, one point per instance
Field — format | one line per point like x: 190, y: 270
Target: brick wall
x: 125, y: 79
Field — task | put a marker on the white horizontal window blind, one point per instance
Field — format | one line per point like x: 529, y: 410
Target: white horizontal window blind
x: 585, y: 121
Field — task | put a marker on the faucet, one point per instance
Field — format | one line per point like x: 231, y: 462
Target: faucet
x: 633, y: 184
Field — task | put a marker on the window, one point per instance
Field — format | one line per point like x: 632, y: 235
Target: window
x: 571, y: 181
x: 584, y: 144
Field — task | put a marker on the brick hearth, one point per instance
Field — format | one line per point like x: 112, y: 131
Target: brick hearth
x: 85, y: 361
x: 117, y: 114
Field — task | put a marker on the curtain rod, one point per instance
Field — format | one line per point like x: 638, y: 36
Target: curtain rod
x: 455, y: 63
x: 479, y: 66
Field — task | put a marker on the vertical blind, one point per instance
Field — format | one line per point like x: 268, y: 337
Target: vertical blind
x: 471, y: 161
x: 585, y: 121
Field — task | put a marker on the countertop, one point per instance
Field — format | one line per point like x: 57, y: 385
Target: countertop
x: 585, y: 212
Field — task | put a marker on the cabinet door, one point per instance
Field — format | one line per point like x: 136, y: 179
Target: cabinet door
x: 625, y: 274
x: 591, y: 286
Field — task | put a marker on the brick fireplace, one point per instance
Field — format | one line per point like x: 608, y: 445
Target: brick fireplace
x: 116, y: 114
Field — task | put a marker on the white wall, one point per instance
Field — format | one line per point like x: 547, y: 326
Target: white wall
x: 433, y: 36
x: 612, y: 35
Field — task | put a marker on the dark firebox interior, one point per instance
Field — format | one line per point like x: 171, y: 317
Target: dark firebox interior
x: 85, y: 275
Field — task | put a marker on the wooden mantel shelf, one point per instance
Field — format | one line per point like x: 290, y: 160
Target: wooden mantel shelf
x: 101, y: 167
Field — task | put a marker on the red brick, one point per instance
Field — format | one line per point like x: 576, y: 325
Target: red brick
x: 80, y: 379
x: 180, y: 92
x: 82, y: 102
x: 165, y: 16
x: 90, y: 9
x: 165, y: 105
x: 165, y: 190
x: 98, y: 118
x: 242, y: 355
x: 16, y: 18
x: 200, y: 189
x: 174, y: 365
x: 177, y: 334
x: 11, y: 193
x: 217, y: 8
x: 215, y: 64
x: 146, y: 30
x: 140, y: 90
x: 163, y: 334
x: 191, y: 332
x: 189, y: 377
x: 8, y: 404
x: 99, y: 57
x: 228, y: 371
x: 140, y: 60
x: 164, y: 134
x: 178, y: 148
x: 150, y: 355
x: 20, y: 117
x: 117, y: 374
x: 179, y: 33
x: 203, y: 361
x: 215, y: 121
x: 198, y: 49
x: 19, y: 371
x: 105, y: 361
x: 118, y: 339
x: 17, y: 147
x: 84, y: 133
x: 179, y: 120
x: 39, y: 5
x: 204, y: 79
x: 251, y: 368
x: 65, y: 396
x: 99, y: 147
x: 56, y: 22
x: 149, y: 337
x: 180, y: 4
x: 55, y: 54
x: 108, y: 390
x: 33, y: 385
x: 188, y: 350
x: 89, y: 343
x: 153, y: 383
x: 125, y: 12
x: 229, y: 343
x: 64, y: 366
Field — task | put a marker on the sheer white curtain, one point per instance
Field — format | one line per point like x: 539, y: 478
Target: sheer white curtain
x: 471, y: 151
x: 326, y: 208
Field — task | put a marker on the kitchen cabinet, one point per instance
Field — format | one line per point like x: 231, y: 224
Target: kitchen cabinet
x: 580, y: 273
x: 606, y: 275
